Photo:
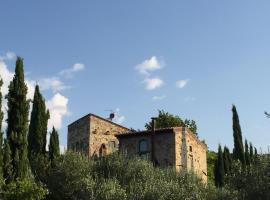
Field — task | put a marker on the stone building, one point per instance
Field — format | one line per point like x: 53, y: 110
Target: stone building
x: 94, y: 136
x: 176, y: 146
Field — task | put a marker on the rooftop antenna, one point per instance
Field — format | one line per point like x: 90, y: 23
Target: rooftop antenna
x: 112, y: 114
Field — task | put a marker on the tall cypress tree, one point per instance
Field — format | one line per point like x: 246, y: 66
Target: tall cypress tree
x: 219, y: 169
x: 38, y: 125
x: 227, y: 160
x: 7, y: 163
x: 17, y: 119
x: 251, y: 154
x: 247, y: 155
x: 54, y: 149
x: 1, y: 133
x: 237, y: 137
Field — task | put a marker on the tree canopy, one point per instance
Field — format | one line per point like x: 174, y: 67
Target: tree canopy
x: 166, y: 120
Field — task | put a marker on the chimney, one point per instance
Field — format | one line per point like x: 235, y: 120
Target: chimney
x: 153, y: 128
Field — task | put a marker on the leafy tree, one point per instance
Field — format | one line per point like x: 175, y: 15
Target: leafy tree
x: 191, y: 124
x: 17, y: 119
x: 54, y: 149
x: 219, y: 169
x: 247, y: 153
x: 238, y: 151
x: 7, y: 163
x: 166, y: 120
x: 38, y: 125
x: 227, y: 160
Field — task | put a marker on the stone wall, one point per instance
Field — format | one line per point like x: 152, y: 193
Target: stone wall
x: 164, y: 147
x: 78, y: 135
x: 93, y: 135
x: 102, y: 136
x: 190, y: 152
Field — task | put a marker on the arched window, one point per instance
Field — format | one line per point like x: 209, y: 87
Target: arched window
x: 144, y: 149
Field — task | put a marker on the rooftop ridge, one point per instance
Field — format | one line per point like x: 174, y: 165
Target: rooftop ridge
x: 91, y: 114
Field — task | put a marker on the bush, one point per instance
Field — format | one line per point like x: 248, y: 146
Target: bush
x: 116, y: 177
x: 252, y: 182
x: 24, y: 189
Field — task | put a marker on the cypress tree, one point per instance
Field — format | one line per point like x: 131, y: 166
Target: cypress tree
x: 38, y: 125
x: 7, y: 163
x: 1, y: 133
x: 247, y: 155
x: 54, y: 149
x: 237, y: 137
x: 17, y: 119
x: 251, y: 154
x: 219, y: 169
x: 227, y: 160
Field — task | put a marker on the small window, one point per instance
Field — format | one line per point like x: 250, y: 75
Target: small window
x: 143, y: 149
x: 190, y: 148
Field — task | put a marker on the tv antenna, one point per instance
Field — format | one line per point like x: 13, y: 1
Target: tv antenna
x: 112, y: 114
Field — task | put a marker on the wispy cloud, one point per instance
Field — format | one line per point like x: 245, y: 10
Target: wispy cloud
x: 182, y: 83
x: 118, y: 118
x: 8, y: 56
x: 52, y: 83
x: 153, y: 83
x: 158, y: 98
x: 150, y: 65
x: 68, y: 73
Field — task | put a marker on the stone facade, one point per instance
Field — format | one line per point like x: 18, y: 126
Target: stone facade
x: 94, y: 136
x: 177, y: 147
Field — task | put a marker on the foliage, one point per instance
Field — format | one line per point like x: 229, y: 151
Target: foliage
x: 7, y: 163
x: 166, y: 120
x: 227, y: 160
x: 24, y: 189
x: 252, y: 182
x: 17, y: 120
x: 54, y: 149
x: 219, y: 169
x: 38, y: 125
x: 211, y: 160
x: 238, y: 151
x: 117, y: 177
x: 247, y: 153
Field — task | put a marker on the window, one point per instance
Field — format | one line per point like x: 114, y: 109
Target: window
x: 190, y: 148
x: 143, y: 149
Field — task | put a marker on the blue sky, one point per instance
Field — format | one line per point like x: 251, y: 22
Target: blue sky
x: 191, y: 58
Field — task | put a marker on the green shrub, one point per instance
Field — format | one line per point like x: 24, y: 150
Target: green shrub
x: 24, y: 189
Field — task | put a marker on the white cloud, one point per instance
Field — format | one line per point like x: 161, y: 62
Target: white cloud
x: 58, y: 109
x: 182, y: 83
x: 8, y: 56
x: 52, y: 83
x: 6, y: 76
x: 158, y: 98
x: 153, y: 83
x: 118, y: 118
x: 149, y: 65
x: 67, y: 73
